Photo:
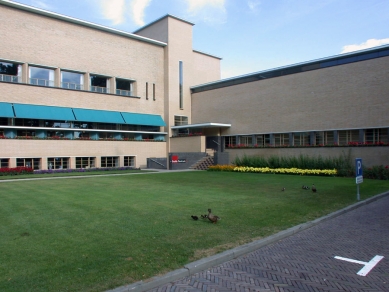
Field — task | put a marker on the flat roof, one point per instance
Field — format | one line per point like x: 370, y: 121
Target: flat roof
x: 371, y: 53
x: 159, y: 19
x: 79, y: 22
x: 203, y: 125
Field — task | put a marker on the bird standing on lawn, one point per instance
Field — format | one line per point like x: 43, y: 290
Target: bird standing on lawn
x: 313, y: 188
x: 194, y: 217
x: 212, y: 218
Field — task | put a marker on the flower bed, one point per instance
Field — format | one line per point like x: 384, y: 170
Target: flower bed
x: 297, y: 171
x: 15, y: 170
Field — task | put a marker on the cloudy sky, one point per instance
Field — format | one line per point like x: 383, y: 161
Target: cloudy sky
x: 250, y: 35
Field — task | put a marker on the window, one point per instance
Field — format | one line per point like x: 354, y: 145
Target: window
x: 230, y: 141
x: 72, y: 80
x: 41, y: 76
x: 4, y: 162
x: 129, y: 161
x: 109, y: 161
x: 262, y: 140
x: 246, y: 140
x: 85, y: 162
x: 124, y: 87
x: 105, y: 135
x: 10, y: 72
x: 4, y: 121
x: 147, y: 90
x: 181, y: 84
x: 301, y: 139
x: 27, y: 122
x: 34, y: 163
x: 376, y: 135
x: 325, y: 138
x: 57, y: 124
x: 180, y: 120
x: 281, y: 139
x: 153, y: 91
x: 58, y: 163
x: 347, y: 136
x: 25, y: 133
x: 99, y: 84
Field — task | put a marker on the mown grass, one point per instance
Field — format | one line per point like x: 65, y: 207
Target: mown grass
x: 97, y: 233
x: 66, y: 174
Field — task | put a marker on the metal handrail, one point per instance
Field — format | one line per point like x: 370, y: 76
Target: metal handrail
x: 124, y: 92
x: 98, y: 89
x: 75, y: 86
x: 10, y: 78
x: 157, y: 162
x: 41, y: 82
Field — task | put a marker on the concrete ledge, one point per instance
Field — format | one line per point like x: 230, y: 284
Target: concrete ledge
x: 209, y: 262
x: 153, y: 282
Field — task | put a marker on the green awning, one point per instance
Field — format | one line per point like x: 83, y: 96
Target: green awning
x: 6, y: 110
x: 98, y: 116
x: 43, y: 112
x: 143, y: 119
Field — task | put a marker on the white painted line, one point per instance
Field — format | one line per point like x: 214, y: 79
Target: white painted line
x: 351, y: 260
x: 368, y: 266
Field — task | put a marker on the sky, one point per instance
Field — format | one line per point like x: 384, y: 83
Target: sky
x: 249, y: 35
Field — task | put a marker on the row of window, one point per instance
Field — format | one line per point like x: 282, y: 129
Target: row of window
x: 19, y: 122
x: 337, y: 137
x: 12, y: 72
x: 64, y: 162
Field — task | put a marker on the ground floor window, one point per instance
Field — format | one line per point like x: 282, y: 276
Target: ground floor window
x: 25, y: 133
x: 58, y: 163
x: 324, y: 138
x: 129, y: 161
x: 106, y: 135
x: 345, y: 137
x: 34, y: 163
x: 4, y: 162
x: 376, y: 135
x: 301, y: 139
x: 109, y: 161
x: 262, y: 140
x: 129, y: 136
x: 85, y: 162
x: 281, y: 139
x: 246, y: 140
x: 230, y: 141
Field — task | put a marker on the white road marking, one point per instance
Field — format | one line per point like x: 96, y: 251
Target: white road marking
x: 368, y: 266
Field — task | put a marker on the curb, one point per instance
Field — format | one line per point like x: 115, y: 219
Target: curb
x: 217, y: 259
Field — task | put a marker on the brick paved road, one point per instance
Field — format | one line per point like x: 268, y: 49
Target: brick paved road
x: 305, y: 261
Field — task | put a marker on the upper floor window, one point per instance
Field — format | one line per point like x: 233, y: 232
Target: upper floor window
x: 41, y: 76
x: 72, y: 80
x: 124, y: 87
x: 99, y: 84
x: 180, y: 120
x: 10, y: 72
x: 181, y: 84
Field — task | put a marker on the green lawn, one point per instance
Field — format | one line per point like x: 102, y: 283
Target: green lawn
x: 97, y: 233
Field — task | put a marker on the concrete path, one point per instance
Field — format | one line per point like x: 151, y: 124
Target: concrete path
x: 323, y: 255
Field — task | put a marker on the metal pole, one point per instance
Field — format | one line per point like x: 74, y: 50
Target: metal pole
x: 358, y: 196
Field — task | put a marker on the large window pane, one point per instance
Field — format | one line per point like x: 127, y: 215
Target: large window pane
x: 72, y: 80
x: 41, y: 76
x: 99, y: 84
x: 10, y: 72
x: 124, y: 87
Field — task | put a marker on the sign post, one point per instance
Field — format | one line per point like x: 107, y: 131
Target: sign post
x: 358, y: 175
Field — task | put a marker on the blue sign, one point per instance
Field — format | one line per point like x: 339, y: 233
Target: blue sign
x: 358, y: 170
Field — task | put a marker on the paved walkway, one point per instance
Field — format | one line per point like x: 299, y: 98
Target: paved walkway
x: 304, y: 261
